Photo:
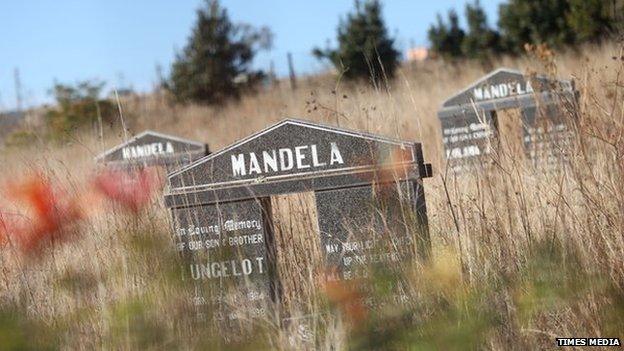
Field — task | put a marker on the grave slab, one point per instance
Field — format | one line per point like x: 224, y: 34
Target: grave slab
x: 365, y: 192
x: 470, y: 119
x: 151, y: 148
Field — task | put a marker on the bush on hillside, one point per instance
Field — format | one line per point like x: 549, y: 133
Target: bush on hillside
x: 21, y: 139
x: 78, y: 106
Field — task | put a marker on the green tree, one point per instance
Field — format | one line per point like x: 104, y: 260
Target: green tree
x: 78, y: 106
x: 447, y: 38
x: 216, y: 63
x: 535, y: 22
x: 557, y: 23
x: 365, y: 50
x: 590, y: 20
x: 481, y: 42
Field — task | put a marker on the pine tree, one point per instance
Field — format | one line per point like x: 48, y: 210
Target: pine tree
x: 216, y: 63
x: 480, y: 42
x: 557, y: 23
x: 447, y: 38
x: 365, y: 50
x: 535, y: 22
x: 590, y: 20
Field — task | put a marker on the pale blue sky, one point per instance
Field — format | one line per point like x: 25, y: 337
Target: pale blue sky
x: 121, y: 41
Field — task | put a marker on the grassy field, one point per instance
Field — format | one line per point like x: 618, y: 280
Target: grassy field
x: 518, y: 257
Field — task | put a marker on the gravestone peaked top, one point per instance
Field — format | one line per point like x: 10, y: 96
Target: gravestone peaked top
x: 505, y: 88
x: 294, y: 156
x: 151, y: 148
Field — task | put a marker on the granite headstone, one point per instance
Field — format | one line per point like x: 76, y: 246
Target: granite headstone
x: 153, y: 149
x: 365, y: 189
x: 472, y: 118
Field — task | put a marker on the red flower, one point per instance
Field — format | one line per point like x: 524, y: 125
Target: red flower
x: 132, y: 190
x: 48, y: 215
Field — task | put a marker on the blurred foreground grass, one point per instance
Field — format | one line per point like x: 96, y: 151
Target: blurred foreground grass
x: 441, y: 310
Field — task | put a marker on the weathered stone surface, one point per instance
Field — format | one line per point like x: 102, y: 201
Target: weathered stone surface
x: 151, y: 148
x: 224, y: 246
x: 361, y: 228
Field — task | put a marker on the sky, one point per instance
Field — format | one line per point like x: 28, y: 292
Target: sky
x: 121, y: 42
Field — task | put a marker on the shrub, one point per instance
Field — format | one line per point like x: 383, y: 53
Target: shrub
x: 77, y: 107
x: 21, y: 139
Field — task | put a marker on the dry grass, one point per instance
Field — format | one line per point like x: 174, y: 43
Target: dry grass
x: 490, y: 230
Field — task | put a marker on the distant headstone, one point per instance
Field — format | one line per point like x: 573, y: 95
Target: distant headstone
x: 367, y: 192
x: 527, y: 112
x: 153, y: 149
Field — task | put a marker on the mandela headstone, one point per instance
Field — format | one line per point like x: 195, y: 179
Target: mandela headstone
x: 367, y: 191
x: 528, y: 111
x: 153, y: 149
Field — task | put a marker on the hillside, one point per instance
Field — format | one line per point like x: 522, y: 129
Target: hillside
x: 509, y: 245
